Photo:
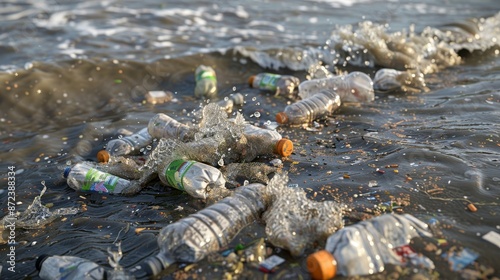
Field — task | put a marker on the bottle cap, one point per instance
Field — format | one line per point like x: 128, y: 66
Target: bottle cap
x: 250, y: 80
x: 322, y: 265
x: 66, y: 172
x: 103, y: 156
x: 40, y: 260
x: 284, y: 147
x: 281, y: 118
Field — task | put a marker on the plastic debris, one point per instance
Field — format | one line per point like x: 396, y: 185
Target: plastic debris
x: 493, y: 237
x: 159, y: 96
x: 458, y: 260
x: 269, y: 264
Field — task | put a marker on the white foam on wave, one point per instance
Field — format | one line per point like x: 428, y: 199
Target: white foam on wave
x: 340, y: 3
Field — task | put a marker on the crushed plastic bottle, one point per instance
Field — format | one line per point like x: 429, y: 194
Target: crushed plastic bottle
x: 354, y: 87
x: 195, y: 178
x: 68, y: 268
x: 318, y: 106
x: 84, y: 176
x: 388, y: 80
x: 209, y: 230
x: 206, y: 82
x: 279, y: 84
x: 366, y: 247
x: 36, y: 215
x: 128, y: 144
x: 164, y: 126
x: 71, y: 267
x: 294, y: 222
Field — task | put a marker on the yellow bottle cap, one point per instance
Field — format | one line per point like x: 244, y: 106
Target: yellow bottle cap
x: 281, y: 118
x: 250, y: 80
x: 103, y: 156
x: 322, y: 265
x: 284, y: 147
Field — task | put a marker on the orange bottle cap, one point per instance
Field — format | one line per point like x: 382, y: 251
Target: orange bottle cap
x: 250, y: 80
x: 103, y: 156
x: 322, y: 265
x: 284, y: 147
x: 281, y: 118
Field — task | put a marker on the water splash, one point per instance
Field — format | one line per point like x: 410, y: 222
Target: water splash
x: 295, y: 222
x: 38, y: 215
x: 369, y: 44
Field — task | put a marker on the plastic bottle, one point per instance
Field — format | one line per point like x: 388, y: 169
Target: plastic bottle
x: 76, y: 268
x: 163, y: 126
x: 85, y: 177
x: 364, y: 248
x: 195, y: 178
x: 68, y: 268
x: 305, y: 111
x: 206, y: 82
x: 280, y: 84
x: 263, y: 141
x: 128, y: 144
x: 209, y: 230
x: 354, y: 87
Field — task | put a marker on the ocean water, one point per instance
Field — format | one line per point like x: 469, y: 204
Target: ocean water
x: 72, y: 74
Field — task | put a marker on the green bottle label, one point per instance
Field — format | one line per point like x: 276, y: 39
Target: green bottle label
x: 269, y: 81
x: 175, y: 172
x: 205, y: 75
x: 99, y: 181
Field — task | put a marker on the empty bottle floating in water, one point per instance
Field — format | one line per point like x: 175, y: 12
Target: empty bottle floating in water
x: 279, y: 84
x: 128, y: 144
x: 209, y: 230
x: 365, y: 248
x: 85, y: 177
x: 206, y: 82
x: 318, y: 106
x: 164, y: 126
x: 354, y: 87
x: 195, y: 178
x: 263, y: 141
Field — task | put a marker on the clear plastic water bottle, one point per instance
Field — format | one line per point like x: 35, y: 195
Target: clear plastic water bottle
x: 163, y: 126
x: 318, y: 106
x: 68, y: 268
x: 365, y: 248
x: 279, y: 84
x: 354, y: 87
x: 209, y: 230
x: 195, y: 178
x: 206, y: 82
x: 263, y: 141
x: 84, y: 176
x: 128, y: 144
